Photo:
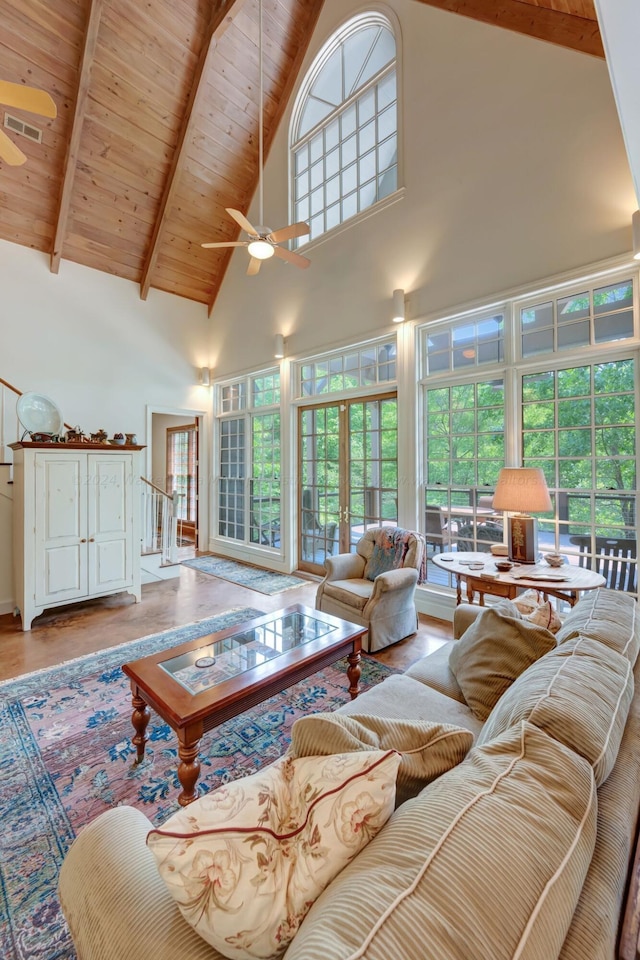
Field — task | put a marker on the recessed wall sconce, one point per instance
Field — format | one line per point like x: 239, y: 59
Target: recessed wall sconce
x: 279, y: 347
x: 204, y: 377
x: 635, y: 229
x: 398, y: 306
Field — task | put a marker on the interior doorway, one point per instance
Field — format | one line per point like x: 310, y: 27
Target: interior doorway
x: 174, y: 465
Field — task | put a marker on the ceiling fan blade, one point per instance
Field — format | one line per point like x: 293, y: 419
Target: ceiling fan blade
x: 254, y: 266
x: 242, y: 221
x: 9, y: 152
x: 27, y: 98
x: 230, y: 243
x: 288, y: 233
x: 291, y: 257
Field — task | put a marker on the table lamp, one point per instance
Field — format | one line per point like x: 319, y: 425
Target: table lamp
x: 522, y: 490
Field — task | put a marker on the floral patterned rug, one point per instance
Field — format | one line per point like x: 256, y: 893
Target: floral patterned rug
x: 263, y: 581
x: 66, y: 756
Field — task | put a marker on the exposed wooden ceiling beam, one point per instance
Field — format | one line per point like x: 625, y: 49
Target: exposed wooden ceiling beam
x: 272, y: 128
x: 221, y: 18
x: 71, y: 160
x: 577, y: 33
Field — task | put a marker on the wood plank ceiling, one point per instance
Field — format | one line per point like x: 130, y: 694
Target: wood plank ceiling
x: 157, y: 126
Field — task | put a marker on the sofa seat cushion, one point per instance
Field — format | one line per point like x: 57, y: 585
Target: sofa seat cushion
x: 486, y: 863
x: 401, y: 698
x: 579, y: 694
x: 245, y: 862
x: 434, y: 671
x: 427, y: 750
x: 497, y: 647
x: 354, y: 593
x: 608, y: 616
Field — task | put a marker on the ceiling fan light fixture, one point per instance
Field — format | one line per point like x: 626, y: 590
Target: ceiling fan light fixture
x: 260, y: 249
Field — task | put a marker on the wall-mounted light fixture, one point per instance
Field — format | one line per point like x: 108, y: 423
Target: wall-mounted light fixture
x: 279, y: 347
x: 204, y: 377
x: 398, y: 306
x: 635, y: 228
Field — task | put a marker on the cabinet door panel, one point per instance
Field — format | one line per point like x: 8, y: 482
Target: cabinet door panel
x: 110, y: 564
x: 65, y: 571
x: 110, y: 522
x: 60, y: 528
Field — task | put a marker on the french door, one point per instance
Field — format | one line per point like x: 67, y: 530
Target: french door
x: 348, y: 475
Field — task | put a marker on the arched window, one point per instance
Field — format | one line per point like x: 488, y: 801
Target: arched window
x: 344, y: 130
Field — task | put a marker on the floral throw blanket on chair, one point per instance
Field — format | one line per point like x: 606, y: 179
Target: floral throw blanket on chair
x: 390, y: 549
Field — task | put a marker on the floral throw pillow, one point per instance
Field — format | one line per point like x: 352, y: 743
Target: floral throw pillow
x: 536, y: 609
x: 246, y: 862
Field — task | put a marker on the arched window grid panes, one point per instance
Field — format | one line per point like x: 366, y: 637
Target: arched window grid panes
x: 345, y: 129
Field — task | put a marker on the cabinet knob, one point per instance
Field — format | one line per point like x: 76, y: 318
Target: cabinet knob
x: 92, y: 539
x: 84, y: 540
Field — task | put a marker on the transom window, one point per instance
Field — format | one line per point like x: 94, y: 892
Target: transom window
x: 590, y: 316
x: 364, y: 367
x: 464, y: 344
x: 344, y: 139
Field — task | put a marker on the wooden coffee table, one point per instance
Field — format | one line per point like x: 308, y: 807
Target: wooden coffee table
x: 565, y: 582
x: 197, y: 685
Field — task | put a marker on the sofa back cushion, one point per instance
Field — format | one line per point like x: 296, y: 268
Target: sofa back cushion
x: 427, y: 750
x: 497, y: 647
x: 608, y: 616
x: 487, y: 862
x: 579, y: 694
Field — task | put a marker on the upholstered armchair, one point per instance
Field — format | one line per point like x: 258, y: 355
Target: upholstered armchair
x: 355, y: 590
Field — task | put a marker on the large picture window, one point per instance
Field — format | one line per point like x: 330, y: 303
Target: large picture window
x: 574, y: 420
x: 344, y: 139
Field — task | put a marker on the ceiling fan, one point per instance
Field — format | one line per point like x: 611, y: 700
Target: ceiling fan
x: 263, y: 242
x: 21, y: 97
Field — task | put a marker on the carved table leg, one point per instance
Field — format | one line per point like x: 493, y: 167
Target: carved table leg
x: 458, y: 589
x: 188, y: 771
x: 353, y: 672
x: 140, y: 719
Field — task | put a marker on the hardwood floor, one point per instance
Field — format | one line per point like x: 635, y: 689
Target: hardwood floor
x: 75, y: 630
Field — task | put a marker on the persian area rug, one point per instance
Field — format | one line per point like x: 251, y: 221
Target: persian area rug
x: 66, y: 756
x: 264, y: 581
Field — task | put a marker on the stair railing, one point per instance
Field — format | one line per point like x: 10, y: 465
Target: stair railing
x: 9, y: 423
x: 160, y: 522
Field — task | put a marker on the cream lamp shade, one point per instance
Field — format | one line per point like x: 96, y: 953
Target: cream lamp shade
x: 522, y: 490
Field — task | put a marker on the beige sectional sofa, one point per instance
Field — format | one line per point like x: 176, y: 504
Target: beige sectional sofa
x: 523, y: 850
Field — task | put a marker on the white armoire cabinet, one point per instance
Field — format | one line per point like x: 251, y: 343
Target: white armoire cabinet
x: 76, y: 524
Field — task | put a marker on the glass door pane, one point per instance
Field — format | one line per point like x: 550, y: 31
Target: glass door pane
x: 372, y: 466
x: 349, y: 475
x: 319, y: 506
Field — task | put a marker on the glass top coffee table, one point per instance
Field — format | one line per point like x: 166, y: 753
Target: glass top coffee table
x: 199, y: 684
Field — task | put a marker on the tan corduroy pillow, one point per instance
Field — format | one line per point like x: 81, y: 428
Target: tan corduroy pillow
x: 427, y: 750
x: 487, y: 862
x: 497, y: 647
x: 579, y: 694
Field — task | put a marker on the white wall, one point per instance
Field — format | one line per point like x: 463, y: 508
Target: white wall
x: 86, y: 340
x: 514, y: 170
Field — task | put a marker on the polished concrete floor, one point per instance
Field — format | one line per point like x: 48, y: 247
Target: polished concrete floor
x: 71, y: 631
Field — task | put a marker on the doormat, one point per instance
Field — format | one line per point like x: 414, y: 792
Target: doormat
x: 66, y: 756
x: 256, y: 578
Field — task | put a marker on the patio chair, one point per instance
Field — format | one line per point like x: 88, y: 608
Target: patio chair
x: 436, y: 530
x: 316, y: 537
x: 615, y: 559
x: 354, y: 589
